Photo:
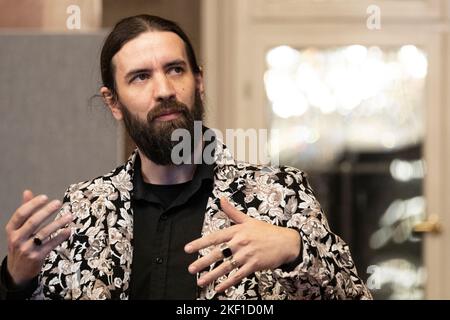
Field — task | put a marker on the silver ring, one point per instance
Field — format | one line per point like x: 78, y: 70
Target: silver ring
x: 234, y: 264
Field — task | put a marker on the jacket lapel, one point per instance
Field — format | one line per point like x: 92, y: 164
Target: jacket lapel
x: 228, y: 180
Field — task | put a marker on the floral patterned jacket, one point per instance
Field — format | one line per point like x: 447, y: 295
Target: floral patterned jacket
x: 96, y: 261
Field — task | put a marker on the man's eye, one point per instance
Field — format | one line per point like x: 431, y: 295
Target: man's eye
x: 140, y: 77
x: 177, y: 70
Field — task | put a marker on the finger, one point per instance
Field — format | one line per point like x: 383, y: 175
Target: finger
x: 27, y: 196
x: 221, y: 270
x: 224, y: 268
x: 34, y: 222
x: 25, y: 211
x: 61, y: 236
x: 206, y: 261
x: 54, y: 226
x: 214, y: 238
x: 233, y: 213
x: 235, y: 278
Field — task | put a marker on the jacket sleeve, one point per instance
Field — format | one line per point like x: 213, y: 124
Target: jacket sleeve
x: 34, y: 290
x: 325, y: 268
x: 8, y: 291
x: 45, y: 289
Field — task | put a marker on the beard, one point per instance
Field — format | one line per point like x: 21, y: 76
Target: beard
x: 153, y: 137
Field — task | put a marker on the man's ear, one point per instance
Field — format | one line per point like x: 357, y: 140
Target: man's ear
x: 199, y: 83
x: 112, y: 102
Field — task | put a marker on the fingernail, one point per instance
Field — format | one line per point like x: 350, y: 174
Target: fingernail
x: 201, y: 282
x: 188, y: 248
x: 56, y: 203
x: 192, y: 269
x: 44, y: 197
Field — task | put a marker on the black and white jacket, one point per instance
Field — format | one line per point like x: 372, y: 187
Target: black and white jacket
x: 96, y: 261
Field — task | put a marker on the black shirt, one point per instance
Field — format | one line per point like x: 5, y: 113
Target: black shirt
x: 166, y: 218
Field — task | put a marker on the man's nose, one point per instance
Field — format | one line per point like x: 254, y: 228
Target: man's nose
x: 164, y: 89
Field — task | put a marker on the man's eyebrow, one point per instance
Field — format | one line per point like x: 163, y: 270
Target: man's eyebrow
x: 174, y: 63
x: 133, y: 72
x: 177, y: 62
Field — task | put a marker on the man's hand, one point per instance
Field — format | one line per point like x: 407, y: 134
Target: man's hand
x: 255, y: 245
x: 25, y: 254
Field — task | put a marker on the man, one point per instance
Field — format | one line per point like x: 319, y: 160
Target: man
x: 142, y: 231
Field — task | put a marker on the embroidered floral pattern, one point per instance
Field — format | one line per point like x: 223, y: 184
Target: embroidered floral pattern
x: 95, y: 262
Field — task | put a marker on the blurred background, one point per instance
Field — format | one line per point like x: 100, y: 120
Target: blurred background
x: 357, y: 93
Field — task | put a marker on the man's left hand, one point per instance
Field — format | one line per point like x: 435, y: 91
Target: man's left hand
x: 255, y: 245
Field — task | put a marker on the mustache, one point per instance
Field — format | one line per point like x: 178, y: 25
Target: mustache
x: 166, y: 107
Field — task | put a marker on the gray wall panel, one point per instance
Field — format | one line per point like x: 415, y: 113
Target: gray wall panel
x: 49, y: 136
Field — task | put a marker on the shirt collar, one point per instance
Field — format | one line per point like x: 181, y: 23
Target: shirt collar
x: 203, y: 173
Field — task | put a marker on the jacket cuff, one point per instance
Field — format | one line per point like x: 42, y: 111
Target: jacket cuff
x: 290, y: 266
x: 8, y: 291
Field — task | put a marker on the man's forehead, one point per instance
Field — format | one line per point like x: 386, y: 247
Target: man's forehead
x: 152, y: 47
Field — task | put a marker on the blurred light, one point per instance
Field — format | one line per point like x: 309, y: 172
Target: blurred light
x: 283, y: 57
x: 406, y: 170
x: 398, y: 221
x: 292, y: 104
x: 372, y: 96
x: 320, y: 97
x: 356, y: 54
x: 415, y: 207
x: 307, y: 134
x: 393, y: 213
x: 405, y: 280
x: 277, y: 83
x: 373, y: 78
x: 414, y: 61
x: 287, y: 100
x: 394, y: 71
x: 376, y: 53
x: 380, y: 238
x: 344, y: 82
x: 347, y: 98
x: 307, y: 77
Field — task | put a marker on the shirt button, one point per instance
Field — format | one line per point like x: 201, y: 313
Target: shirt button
x: 159, y: 260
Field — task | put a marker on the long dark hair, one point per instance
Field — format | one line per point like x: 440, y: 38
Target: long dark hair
x: 129, y: 28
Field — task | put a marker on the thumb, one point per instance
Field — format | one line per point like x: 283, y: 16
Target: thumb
x: 27, y: 196
x: 233, y: 213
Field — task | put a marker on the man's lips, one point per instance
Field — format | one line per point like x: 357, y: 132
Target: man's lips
x: 169, y: 115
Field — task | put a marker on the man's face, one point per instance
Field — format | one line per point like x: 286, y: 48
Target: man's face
x: 157, y: 92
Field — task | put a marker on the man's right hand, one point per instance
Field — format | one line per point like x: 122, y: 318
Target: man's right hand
x: 25, y: 255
